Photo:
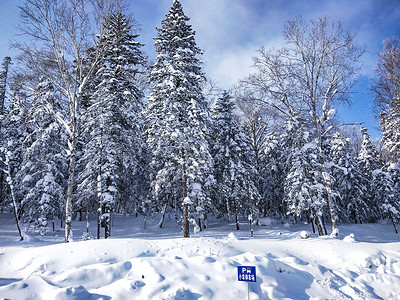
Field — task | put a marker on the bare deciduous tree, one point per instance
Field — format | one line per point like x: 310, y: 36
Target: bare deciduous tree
x: 386, y: 89
x: 311, y: 76
x: 387, y: 85
x: 65, y: 29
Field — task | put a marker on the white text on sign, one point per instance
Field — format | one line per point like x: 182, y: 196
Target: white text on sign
x: 246, y: 273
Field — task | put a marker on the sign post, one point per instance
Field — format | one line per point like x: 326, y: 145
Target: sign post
x: 246, y: 273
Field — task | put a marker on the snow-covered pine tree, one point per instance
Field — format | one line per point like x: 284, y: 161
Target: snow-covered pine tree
x: 43, y: 170
x: 390, y: 126
x: 274, y: 173
x: 350, y: 185
x: 368, y: 157
x: 385, y: 194
x: 392, y: 207
x: 303, y: 193
x: 176, y: 120
x: 14, y: 133
x: 369, y: 160
x: 235, y: 177
x: 111, y: 126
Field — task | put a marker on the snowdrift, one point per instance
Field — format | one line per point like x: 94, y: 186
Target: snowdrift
x: 363, y: 263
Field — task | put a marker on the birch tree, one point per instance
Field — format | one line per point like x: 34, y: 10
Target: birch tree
x: 386, y: 87
x: 65, y: 29
x: 386, y: 90
x: 311, y: 76
x: 3, y: 85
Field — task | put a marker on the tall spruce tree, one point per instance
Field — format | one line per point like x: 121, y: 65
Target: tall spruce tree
x: 176, y: 120
x: 368, y: 157
x: 15, y: 131
x: 369, y: 160
x: 300, y: 164
x: 235, y: 177
x: 111, y: 126
x: 390, y: 126
x: 386, y: 196
x: 303, y: 193
x: 42, y: 174
x: 275, y: 174
x: 350, y: 184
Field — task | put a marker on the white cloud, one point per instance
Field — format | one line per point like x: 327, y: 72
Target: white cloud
x: 229, y: 67
x: 230, y: 32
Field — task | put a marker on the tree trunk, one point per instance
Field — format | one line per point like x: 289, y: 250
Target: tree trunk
x: 70, y: 189
x: 251, y: 227
x: 14, y: 200
x: 200, y: 224
x: 332, y: 212
x: 87, y: 220
x: 15, y: 209
x: 186, y: 232
x: 394, y: 223
x: 3, y: 86
x: 318, y: 222
x: 312, y: 224
x: 98, y: 223
x: 160, y: 224
x: 106, y: 215
x: 324, y: 226
x: 2, y: 184
x: 236, y: 218
x: 176, y: 210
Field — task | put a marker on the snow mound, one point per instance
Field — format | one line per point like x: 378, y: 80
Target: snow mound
x: 79, y: 293
x: 183, y: 293
x: 304, y: 234
x: 266, y: 222
x: 335, y: 233
x: 349, y: 238
x: 231, y: 237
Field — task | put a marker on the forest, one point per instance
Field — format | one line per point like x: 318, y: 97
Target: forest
x: 91, y: 126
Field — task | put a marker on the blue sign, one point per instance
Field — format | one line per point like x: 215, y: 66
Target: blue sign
x: 247, y: 274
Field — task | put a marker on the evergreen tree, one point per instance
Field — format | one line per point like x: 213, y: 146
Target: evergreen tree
x: 42, y: 174
x: 176, y: 120
x: 15, y: 131
x: 368, y: 157
x: 304, y: 194
x: 369, y: 160
x: 235, y: 176
x: 275, y: 174
x: 386, y: 194
x: 111, y: 126
x: 350, y: 184
x: 390, y: 125
x: 391, y: 208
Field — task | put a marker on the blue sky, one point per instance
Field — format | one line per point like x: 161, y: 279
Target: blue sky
x: 230, y: 32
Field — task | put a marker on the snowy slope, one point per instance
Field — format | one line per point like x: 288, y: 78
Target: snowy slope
x: 159, y: 264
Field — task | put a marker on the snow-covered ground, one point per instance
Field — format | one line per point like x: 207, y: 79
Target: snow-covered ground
x: 363, y: 263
